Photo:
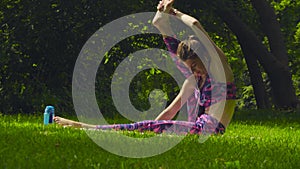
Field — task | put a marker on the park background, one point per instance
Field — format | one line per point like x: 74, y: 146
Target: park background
x: 41, y: 40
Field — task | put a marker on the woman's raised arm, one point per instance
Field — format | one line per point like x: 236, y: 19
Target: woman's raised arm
x: 161, y: 18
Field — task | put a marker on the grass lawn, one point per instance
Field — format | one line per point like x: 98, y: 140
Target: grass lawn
x: 254, y: 139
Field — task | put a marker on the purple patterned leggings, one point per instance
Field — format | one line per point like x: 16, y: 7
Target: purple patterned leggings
x: 205, y: 124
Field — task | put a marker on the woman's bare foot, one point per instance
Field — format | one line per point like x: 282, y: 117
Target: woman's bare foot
x: 70, y: 123
x: 66, y: 122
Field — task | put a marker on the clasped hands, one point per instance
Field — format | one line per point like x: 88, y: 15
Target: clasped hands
x: 165, y: 6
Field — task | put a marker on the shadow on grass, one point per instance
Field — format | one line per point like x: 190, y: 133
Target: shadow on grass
x: 267, y: 117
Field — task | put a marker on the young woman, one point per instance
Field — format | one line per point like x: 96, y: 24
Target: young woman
x: 212, y: 112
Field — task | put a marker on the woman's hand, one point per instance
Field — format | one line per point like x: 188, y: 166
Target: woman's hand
x: 165, y: 5
x: 160, y: 6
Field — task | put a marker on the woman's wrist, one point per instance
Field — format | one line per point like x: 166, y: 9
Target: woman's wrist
x: 176, y: 13
x: 187, y: 19
x: 173, y: 11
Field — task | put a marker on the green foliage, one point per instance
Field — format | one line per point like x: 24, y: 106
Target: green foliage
x: 40, y: 42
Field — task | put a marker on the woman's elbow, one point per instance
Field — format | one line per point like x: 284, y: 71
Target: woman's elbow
x: 190, y: 21
x: 154, y: 22
x: 193, y: 22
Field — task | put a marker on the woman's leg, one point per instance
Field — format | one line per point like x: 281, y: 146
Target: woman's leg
x: 157, y: 126
x: 160, y: 126
x: 71, y: 123
x: 205, y: 124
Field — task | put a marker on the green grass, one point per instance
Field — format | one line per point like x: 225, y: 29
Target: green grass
x: 254, y: 139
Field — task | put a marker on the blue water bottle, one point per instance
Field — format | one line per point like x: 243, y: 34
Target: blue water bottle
x: 48, y: 115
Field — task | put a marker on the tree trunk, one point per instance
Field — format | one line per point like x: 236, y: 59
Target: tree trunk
x: 260, y: 93
x: 271, y: 28
x: 278, y: 72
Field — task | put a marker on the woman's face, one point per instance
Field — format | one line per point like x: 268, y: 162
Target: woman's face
x: 196, y: 66
x: 189, y: 51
